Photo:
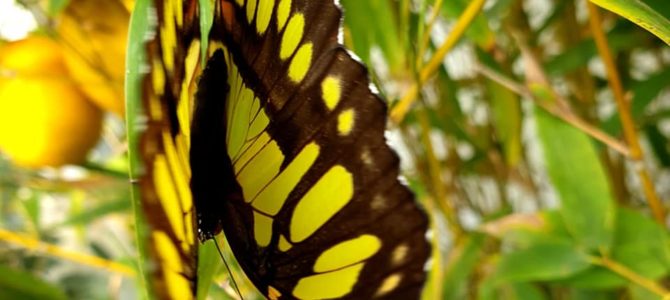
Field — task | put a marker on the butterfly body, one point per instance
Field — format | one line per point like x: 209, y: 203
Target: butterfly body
x: 281, y: 145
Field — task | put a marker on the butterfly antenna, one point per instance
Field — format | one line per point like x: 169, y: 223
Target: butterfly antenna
x: 225, y: 263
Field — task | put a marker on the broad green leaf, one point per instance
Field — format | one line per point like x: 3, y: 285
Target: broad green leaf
x: 586, y: 202
x: 641, y: 244
x: 639, y: 293
x: 463, y: 260
x: 575, y: 294
x: 522, y: 291
x: 594, y: 278
x: 641, y: 14
x: 15, y: 284
x: 541, y: 262
x: 135, y: 58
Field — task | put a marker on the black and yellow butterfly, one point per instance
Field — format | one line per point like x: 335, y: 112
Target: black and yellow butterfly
x: 279, y: 142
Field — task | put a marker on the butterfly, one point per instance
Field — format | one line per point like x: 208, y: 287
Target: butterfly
x: 265, y: 127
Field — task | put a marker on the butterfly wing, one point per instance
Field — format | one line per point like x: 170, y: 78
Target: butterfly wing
x: 301, y: 179
x: 316, y: 209
x: 173, y: 56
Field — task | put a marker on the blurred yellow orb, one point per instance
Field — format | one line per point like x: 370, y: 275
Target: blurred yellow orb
x: 44, y: 119
x: 94, y: 48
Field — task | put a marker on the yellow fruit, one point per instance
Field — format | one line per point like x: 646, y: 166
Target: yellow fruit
x: 93, y: 34
x: 44, y: 119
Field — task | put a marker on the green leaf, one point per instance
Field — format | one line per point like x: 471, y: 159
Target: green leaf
x: 541, y: 262
x: 506, y: 109
x: 88, y: 216
x: 56, y: 7
x: 586, y: 202
x: 15, y: 284
x: 209, y: 264
x: 580, y: 54
x: 135, y: 58
x: 377, y: 29
x: 641, y: 14
x: 639, y: 293
x: 463, y: 260
x: 478, y: 30
x: 641, y: 244
x: 206, y: 19
x: 595, y: 277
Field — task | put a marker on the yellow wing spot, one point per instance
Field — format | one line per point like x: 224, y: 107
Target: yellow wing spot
x: 284, y: 244
x: 262, y: 229
x: 251, y: 10
x: 329, y: 285
x: 347, y: 253
x: 168, y: 35
x: 292, y: 36
x: 283, y: 11
x: 177, y: 284
x: 185, y: 105
x: 168, y: 195
x: 325, y: 198
x: 345, y: 121
x: 366, y: 157
x: 273, y: 294
x: 300, y: 63
x: 331, y: 91
x: 260, y: 170
x: 389, y: 284
x: 239, y: 2
x: 378, y: 202
x: 399, y: 254
x: 271, y: 199
x: 264, y: 15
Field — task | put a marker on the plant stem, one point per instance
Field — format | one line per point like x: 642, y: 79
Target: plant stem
x: 631, y: 276
x: 399, y: 111
x: 562, y: 114
x: 627, y: 122
x: 441, y: 198
x: 426, y: 34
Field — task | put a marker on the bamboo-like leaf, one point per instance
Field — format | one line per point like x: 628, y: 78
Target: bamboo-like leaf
x: 586, y: 202
x: 541, y: 262
x: 15, y: 284
x: 641, y: 14
x: 135, y: 59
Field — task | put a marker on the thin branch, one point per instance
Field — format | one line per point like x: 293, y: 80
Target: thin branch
x: 627, y: 122
x: 631, y: 276
x: 560, y: 112
x: 399, y: 111
x: 58, y: 252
